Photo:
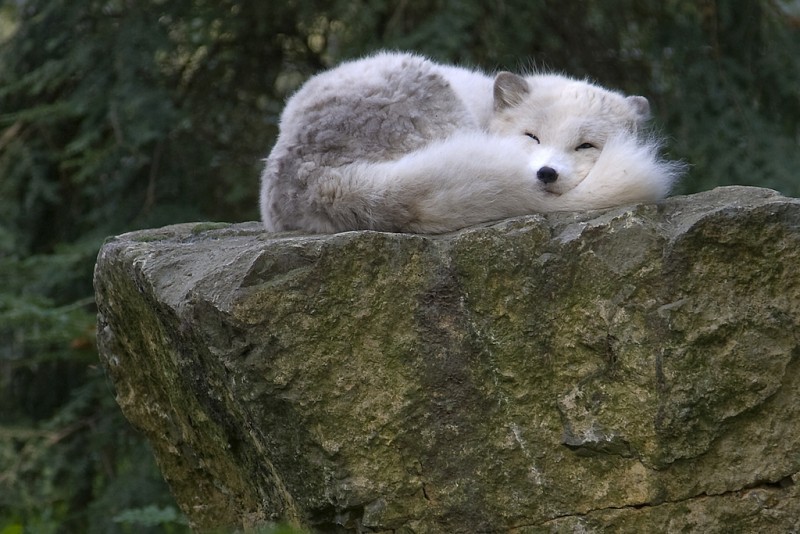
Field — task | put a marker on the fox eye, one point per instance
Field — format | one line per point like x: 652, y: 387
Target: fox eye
x: 584, y: 146
x: 533, y: 137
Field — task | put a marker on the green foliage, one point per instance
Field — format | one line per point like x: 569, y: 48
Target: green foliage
x: 121, y: 115
x: 150, y: 516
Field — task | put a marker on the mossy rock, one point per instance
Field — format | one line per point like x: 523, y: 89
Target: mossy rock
x: 627, y: 370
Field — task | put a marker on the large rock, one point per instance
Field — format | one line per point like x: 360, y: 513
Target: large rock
x: 630, y: 370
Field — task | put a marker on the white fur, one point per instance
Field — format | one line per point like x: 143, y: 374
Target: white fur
x: 395, y: 142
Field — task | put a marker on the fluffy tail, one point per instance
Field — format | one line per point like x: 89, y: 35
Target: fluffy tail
x: 460, y: 181
x: 464, y: 180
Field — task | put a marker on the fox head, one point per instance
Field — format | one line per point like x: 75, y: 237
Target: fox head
x: 565, y: 123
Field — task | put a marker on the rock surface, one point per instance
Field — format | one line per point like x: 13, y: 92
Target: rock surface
x: 630, y: 370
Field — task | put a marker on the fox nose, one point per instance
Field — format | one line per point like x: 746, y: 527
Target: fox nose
x: 547, y: 175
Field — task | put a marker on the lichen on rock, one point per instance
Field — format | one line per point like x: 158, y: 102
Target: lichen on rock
x: 633, y: 369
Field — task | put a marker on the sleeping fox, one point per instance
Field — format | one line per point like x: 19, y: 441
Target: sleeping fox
x: 395, y: 142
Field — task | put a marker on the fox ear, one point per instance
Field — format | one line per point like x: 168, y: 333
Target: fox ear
x: 640, y: 107
x: 509, y: 90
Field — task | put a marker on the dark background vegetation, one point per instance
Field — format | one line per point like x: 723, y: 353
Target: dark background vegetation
x: 123, y: 114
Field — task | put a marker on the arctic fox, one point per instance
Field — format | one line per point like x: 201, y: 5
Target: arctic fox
x: 395, y: 142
